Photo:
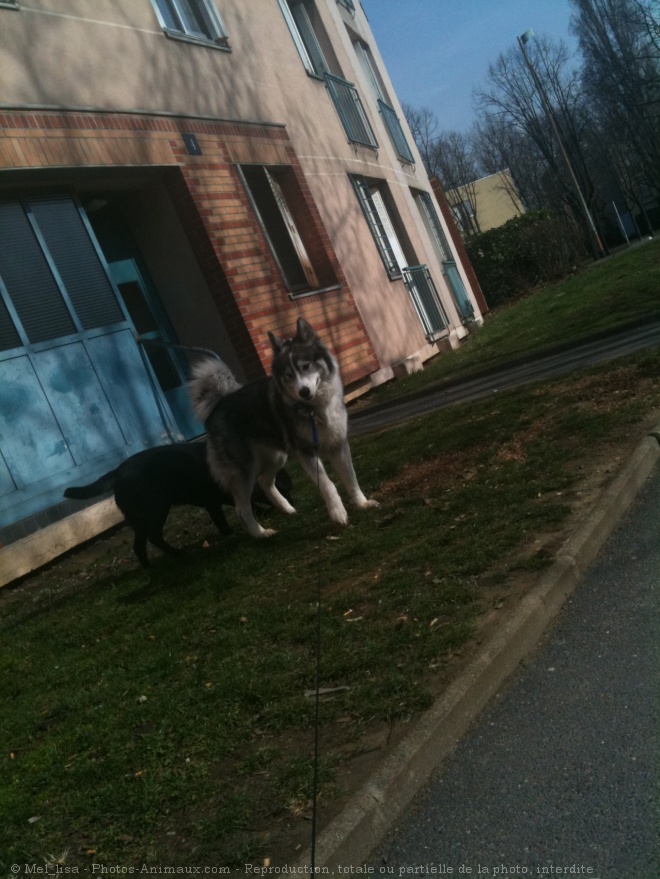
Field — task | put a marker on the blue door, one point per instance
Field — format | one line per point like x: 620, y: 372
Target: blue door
x: 77, y: 392
x: 151, y: 324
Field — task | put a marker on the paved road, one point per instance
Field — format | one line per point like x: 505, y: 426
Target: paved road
x: 551, y: 365
x: 563, y: 768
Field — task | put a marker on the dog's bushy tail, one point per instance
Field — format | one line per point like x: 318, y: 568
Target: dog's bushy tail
x: 211, y: 380
x: 102, y: 485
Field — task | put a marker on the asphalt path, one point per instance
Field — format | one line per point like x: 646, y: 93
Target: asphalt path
x: 559, y: 363
x: 559, y: 776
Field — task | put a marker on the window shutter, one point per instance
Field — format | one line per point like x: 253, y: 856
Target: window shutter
x: 76, y: 261
x: 28, y: 278
x: 294, y: 234
x: 9, y: 338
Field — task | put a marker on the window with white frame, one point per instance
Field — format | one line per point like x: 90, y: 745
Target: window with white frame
x: 299, y: 21
x: 275, y: 204
x: 387, y: 112
x: 443, y: 252
x: 197, y: 20
x: 371, y: 195
x: 319, y: 60
x: 433, y: 226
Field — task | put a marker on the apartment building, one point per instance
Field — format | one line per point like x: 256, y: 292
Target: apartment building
x: 189, y: 174
x: 485, y: 203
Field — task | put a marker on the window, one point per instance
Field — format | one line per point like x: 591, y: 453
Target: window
x: 427, y: 303
x: 440, y: 245
x: 192, y: 20
x: 299, y: 22
x: 417, y: 278
x: 371, y: 200
x: 347, y: 4
x: 433, y: 226
x: 266, y: 189
x: 387, y: 112
x: 464, y: 214
x: 349, y: 108
x: 319, y: 60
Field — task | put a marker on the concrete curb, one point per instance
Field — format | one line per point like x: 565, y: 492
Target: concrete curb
x: 353, y: 834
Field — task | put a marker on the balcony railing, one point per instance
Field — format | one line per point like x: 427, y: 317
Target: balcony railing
x: 395, y: 132
x: 351, y: 112
x: 426, y: 301
x: 458, y: 291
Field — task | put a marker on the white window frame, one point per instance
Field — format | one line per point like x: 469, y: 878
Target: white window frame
x: 388, y: 228
x: 381, y: 226
x: 217, y: 33
x: 433, y: 227
x: 292, y: 229
x: 304, y: 37
x: 364, y: 59
x: 286, y: 216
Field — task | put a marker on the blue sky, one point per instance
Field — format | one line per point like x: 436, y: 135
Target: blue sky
x: 438, y: 51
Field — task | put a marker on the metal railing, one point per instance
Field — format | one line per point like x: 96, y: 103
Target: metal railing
x: 395, y: 132
x: 458, y: 291
x: 350, y: 110
x: 426, y: 301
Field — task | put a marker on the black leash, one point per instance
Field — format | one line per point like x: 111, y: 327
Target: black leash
x: 315, y: 777
x: 306, y: 410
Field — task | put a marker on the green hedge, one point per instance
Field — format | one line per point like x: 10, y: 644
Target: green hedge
x: 526, y: 251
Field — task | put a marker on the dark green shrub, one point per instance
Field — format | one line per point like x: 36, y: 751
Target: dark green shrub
x: 528, y: 250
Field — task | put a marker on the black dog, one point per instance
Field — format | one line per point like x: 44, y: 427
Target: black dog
x: 147, y: 484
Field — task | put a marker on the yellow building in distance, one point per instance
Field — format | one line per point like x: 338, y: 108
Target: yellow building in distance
x: 485, y: 203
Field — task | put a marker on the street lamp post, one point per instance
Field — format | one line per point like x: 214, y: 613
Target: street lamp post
x: 522, y: 40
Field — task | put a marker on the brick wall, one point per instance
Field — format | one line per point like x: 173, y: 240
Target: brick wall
x: 222, y: 230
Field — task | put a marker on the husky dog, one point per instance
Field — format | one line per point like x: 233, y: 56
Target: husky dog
x: 299, y: 409
x: 147, y: 484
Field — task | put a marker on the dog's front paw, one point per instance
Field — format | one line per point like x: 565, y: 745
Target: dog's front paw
x: 266, y: 532
x: 338, y: 515
x: 364, y: 504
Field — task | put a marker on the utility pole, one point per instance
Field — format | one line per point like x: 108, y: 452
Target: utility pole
x: 522, y: 40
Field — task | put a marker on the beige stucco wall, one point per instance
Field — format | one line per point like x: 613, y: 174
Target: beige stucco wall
x: 113, y: 55
x: 496, y: 199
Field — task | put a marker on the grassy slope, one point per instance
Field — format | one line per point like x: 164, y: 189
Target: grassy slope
x: 164, y: 719
x: 619, y: 291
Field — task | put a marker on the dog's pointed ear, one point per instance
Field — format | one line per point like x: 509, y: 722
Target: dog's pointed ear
x: 304, y: 333
x: 276, y: 344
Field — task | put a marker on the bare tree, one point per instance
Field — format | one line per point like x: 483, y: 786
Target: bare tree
x: 458, y: 171
x: 498, y: 147
x: 424, y: 126
x: 619, y: 41
x: 513, y: 100
x: 448, y: 155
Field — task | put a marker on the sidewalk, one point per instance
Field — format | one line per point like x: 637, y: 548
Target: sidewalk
x: 395, y: 786
x: 558, y: 362
x: 560, y: 771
